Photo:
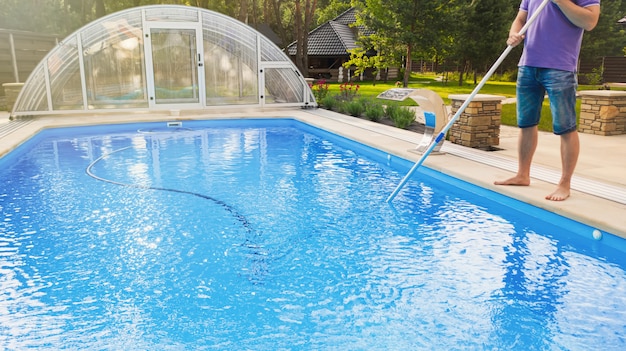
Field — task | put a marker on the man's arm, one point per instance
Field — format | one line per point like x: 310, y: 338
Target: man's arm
x: 583, y: 17
x: 514, y: 37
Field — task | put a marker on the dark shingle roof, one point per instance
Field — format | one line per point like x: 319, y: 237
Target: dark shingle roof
x: 347, y: 17
x: 265, y: 29
x: 333, y: 38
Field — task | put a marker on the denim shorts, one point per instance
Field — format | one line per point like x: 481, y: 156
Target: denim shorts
x: 532, y: 85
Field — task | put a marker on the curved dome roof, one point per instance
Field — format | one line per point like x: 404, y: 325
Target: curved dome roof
x: 162, y: 57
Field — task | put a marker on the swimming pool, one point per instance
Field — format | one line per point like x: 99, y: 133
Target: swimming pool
x: 258, y: 234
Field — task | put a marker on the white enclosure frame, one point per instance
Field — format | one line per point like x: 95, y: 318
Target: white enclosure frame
x: 108, y: 65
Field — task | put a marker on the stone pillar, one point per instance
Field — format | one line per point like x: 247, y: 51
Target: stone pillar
x: 479, y: 125
x: 602, y: 112
x: 11, y: 91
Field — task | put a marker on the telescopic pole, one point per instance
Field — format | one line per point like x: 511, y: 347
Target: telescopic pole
x: 443, y: 132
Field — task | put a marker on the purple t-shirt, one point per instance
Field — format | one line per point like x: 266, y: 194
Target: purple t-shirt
x: 552, y: 41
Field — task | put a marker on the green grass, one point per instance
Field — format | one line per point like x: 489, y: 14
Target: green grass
x: 428, y: 81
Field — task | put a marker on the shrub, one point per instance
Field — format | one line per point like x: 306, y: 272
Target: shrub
x: 593, y: 78
x: 506, y: 76
x: 329, y: 102
x: 510, y: 76
x: 341, y: 106
x: 354, y: 108
x: 374, y: 111
x: 391, y: 109
x: 402, y: 117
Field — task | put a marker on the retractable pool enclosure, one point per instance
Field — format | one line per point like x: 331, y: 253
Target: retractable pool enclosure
x: 162, y: 57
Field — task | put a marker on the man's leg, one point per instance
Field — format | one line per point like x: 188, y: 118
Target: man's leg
x: 561, y: 87
x: 530, y: 96
x: 570, y: 148
x: 527, y: 144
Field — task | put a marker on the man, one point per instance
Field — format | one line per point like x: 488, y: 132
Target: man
x: 548, y: 65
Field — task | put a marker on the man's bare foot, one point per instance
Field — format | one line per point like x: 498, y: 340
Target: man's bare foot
x: 517, y: 180
x: 561, y: 193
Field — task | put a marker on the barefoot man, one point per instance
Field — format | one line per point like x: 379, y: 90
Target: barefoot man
x: 548, y: 65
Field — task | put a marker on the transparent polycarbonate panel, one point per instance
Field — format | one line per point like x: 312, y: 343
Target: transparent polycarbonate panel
x: 231, y: 36
x: 230, y: 62
x: 114, y: 63
x: 270, y: 52
x: 174, y: 58
x: 216, y: 40
x: 64, y: 72
x: 229, y: 81
x: 33, y: 96
x: 115, y: 78
x: 283, y: 85
x: 172, y: 14
x: 122, y: 30
x: 113, y: 50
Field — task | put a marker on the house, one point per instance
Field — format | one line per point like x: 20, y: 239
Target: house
x: 267, y: 31
x: 329, y: 45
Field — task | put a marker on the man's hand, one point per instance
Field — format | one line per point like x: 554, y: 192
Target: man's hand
x: 515, y: 39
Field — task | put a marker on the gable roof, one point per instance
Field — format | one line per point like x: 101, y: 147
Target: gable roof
x: 622, y: 21
x: 333, y: 38
x: 347, y: 17
x: 265, y: 29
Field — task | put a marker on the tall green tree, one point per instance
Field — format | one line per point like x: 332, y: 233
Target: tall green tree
x: 329, y: 9
x: 482, y: 34
x: 419, y: 26
x: 303, y: 17
x: 608, y: 38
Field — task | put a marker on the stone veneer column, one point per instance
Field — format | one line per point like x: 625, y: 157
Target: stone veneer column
x: 479, y: 125
x: 602, y: 112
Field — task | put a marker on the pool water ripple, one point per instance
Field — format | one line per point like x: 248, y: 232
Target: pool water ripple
x: 275, y: 237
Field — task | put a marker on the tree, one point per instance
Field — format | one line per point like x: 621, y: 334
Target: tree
x: 417, y: 25
x: 303, y: 17
x: 289, y: 17
x: 327, y: 10
x: 608, y: 38
x: 469, y: 32
x: 482, y: 35
x: 379, y: 55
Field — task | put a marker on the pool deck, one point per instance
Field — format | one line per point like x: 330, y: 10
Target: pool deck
x: 598, y: 191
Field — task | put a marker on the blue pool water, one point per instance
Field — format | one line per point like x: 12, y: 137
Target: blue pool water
x: 270, y: 234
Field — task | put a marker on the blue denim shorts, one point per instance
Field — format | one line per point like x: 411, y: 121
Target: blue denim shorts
x: 532, y: 85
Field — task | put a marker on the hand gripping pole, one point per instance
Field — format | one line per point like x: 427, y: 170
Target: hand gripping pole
x: 456, y: 116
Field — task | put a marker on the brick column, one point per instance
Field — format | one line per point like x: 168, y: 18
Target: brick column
x: 479, y: 125
x: 602, y: 112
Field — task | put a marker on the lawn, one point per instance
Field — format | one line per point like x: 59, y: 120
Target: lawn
x: 444, y: 89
